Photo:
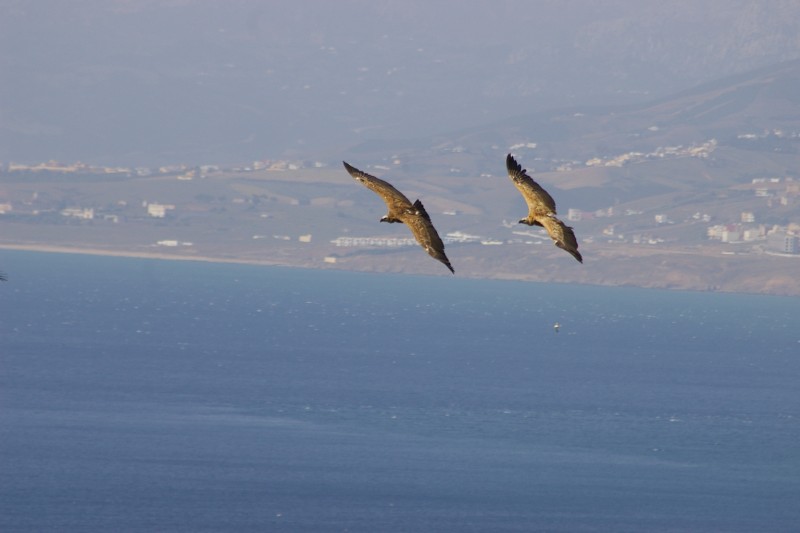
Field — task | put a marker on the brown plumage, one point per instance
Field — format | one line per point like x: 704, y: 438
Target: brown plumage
x: 402, y: 210
x: 542, y: 209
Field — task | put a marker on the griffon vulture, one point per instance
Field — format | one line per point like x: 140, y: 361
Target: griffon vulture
x: 542, y: 209
x: 402, y: 210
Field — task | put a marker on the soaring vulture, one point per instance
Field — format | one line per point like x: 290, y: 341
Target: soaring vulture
x: 542, y: 209
x: 401, y: 210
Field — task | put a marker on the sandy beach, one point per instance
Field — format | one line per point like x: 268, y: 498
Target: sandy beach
x: 140, y: 255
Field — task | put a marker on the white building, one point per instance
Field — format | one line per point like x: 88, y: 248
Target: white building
x: 732, y: 235
x: 791, y: 244
x: 77, y: 212
x: 158, y: 210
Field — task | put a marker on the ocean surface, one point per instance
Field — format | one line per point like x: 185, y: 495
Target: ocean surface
x: 150, y: 395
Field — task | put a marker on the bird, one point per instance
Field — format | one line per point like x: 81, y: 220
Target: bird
x: 3, y: 276
x: 402, y: 210
x: 542, y: 209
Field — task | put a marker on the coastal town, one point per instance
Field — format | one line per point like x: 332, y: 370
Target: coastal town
x: 713, y: 214
x: 753, y: 225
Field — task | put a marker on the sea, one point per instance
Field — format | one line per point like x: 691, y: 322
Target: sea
x: 177, y: 396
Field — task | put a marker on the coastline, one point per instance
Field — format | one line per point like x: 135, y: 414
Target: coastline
x: 657, y: 271
x: 43, y: 248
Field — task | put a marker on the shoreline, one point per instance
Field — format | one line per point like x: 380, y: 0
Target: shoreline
x: 599, y: 280
x: 46, y: 248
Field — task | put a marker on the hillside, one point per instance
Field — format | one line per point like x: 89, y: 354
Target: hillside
x: 700, y: 191
x: 134, y: 82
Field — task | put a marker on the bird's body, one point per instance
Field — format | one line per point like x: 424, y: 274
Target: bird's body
x: 400, y: 209
x: 542, y: 209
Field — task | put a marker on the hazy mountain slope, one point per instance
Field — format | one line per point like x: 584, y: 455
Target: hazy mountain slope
x: 196, y: 81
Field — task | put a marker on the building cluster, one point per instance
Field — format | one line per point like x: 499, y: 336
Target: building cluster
x: 736, y: 232
x: 393, y: 242
x: 779, y: 192
x: 156, y: 210
x: 172, y: 243
x: 766, y: 134
x: 182, y: 172
x: 61, y: 168
x: 83, y: 213
x: 783, y: 239
x: 702, y: 150
x: 576, y: 215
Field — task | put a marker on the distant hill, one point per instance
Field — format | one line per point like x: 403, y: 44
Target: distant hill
x: 752, y: 120
x: 134, y: 82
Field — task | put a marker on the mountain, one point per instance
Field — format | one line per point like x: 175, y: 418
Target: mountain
x: 138, y: 82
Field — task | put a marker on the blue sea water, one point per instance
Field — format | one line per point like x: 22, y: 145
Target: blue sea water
x: 148, y: 395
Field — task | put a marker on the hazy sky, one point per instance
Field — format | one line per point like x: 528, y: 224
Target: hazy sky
x: 194, y: 81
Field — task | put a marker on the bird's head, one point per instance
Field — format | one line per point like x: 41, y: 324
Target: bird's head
x: 384, y: 218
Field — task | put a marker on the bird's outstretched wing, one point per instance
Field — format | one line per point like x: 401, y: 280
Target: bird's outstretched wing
x: 421, y: 226
x: 562, y: 236
x: 395, y: 200
x: 3, y: 276
x: 540, y: 203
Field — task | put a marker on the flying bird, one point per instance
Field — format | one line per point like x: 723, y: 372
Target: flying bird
x: 542, y: 209
x: 402, y: 210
